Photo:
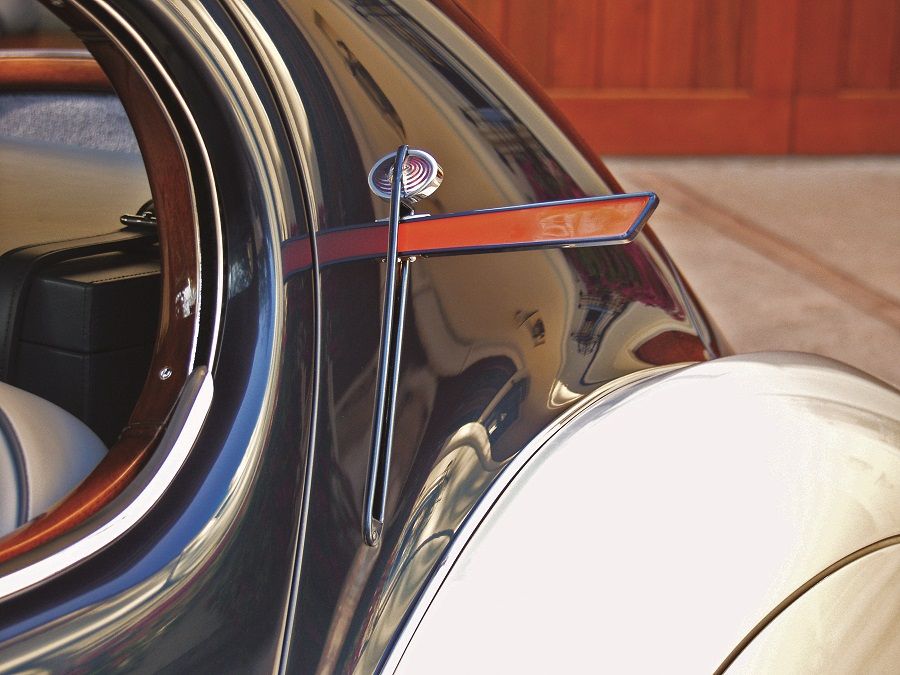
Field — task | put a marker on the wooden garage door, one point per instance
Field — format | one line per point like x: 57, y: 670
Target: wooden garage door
x: 713, y: 76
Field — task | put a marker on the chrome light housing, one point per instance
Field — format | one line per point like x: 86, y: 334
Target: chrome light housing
x: 422, y: 175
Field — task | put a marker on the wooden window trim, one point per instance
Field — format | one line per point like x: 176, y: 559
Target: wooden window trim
x: 171, y: 191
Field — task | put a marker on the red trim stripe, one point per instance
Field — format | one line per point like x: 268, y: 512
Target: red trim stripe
x: 595, y: 222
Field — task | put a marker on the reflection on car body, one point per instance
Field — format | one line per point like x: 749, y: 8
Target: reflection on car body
x: 561, y: 392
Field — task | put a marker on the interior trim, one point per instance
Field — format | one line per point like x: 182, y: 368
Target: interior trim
x: 54, y: 69
x: 187, y: 420
x: 171, y: 185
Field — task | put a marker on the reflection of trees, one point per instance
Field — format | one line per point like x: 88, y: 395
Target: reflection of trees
x: 611, y: 278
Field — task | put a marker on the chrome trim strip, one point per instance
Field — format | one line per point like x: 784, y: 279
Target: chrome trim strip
x: 391, y: 409
x: 288, y: 100
x: 198, y: 25
x: 392, y: 656
x: 179, y: 438
x: 294, y: 115
x: 290, y: 615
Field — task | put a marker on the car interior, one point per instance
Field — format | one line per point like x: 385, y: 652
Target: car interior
x: 96, y: 228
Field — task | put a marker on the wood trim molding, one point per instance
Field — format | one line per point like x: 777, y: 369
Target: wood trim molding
x: 51, y: 69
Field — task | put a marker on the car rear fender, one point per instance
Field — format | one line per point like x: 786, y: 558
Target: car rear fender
x: 665, y: 521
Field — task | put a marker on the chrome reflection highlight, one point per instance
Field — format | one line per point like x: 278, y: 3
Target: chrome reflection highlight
x: 421, y: 176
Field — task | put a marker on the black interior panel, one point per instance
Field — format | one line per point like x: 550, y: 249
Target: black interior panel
x: 87, y: 336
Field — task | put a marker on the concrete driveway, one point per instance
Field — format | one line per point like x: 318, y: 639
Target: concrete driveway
x: 787, y: 253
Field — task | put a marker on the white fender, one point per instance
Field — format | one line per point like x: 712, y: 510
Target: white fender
x: 657, y: 528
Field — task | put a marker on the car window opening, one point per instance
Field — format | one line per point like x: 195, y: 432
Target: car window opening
x: 94, y: 348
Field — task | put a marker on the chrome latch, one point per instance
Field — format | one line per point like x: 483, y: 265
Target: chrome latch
x: 145, y: 218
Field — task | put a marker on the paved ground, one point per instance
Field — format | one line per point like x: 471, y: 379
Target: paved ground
x: 787, y: 253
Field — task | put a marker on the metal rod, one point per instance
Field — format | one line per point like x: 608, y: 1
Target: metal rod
x: 395, y: 381
x: 372, y: 521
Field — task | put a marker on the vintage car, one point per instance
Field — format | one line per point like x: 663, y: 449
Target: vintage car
x: 328, y: 347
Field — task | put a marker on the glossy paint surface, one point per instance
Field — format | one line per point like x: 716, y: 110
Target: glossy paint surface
x: 650, y: 536
x: 486, y: 350
x: 848, y: 623
x: 496, y: 346
x: 294, y: 101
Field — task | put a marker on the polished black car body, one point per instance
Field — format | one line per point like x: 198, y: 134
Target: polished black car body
x: 253, y: 558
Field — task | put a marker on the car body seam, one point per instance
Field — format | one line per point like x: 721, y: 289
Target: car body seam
x: 800, y: 591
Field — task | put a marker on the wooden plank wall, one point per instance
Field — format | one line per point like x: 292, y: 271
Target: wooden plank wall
x: 713, y: 76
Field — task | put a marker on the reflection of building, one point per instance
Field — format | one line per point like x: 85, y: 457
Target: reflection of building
x: 526, y: 159
x: 622, y: 301
x: 608, y: 283
x: 601, y: 311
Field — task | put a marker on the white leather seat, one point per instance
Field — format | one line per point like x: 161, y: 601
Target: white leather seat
x: 45, y: 452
